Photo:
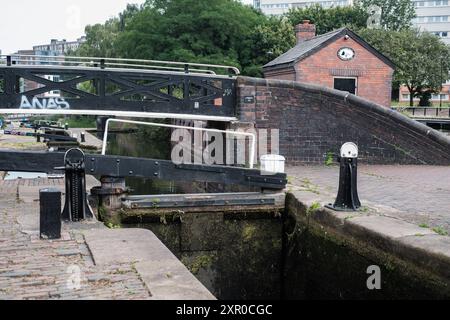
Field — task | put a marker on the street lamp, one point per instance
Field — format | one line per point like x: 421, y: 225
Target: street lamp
x: 442, y: 83
x: 442, y: 77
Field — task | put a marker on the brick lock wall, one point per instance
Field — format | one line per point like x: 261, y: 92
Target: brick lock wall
x: 315, y: 120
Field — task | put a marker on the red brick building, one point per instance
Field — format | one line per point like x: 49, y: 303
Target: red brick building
x: 339, y: 59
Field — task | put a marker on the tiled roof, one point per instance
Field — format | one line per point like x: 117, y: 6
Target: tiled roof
x: 308, y: 47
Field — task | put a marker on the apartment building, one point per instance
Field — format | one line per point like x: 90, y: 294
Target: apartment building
x: 434, y: 16
x: 278, y: 7
x: 58, y: 47
x: 35, y: 57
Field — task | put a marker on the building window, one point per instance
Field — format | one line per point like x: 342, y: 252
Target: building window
x: 435, y: 3
x: 437, y: 97
x: 345, y: 84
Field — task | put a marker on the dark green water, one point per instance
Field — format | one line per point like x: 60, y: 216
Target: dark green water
x: 150, y: 144
x: 154, y: 143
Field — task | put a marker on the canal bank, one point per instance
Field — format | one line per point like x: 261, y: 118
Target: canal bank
x: 276, y: 252
x: 298, y: 249
x: 289, y: 249
x: 294, y: 249
x: 89, y: 262
x: 333, y: 255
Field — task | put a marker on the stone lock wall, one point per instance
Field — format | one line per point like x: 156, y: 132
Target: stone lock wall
x: 315, y: 120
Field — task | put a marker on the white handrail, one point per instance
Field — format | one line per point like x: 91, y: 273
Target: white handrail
x: 36, y: 62
x: 109, y: 61
x: 112, y: 113
x: 253, y: 137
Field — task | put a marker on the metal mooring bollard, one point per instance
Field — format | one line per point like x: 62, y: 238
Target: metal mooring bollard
x: 50, y: 213
x: 111, y: 192
x: 83, y: 137
x: 347, y: 198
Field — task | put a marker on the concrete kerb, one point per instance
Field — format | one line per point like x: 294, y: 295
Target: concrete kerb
x: 164, y: 275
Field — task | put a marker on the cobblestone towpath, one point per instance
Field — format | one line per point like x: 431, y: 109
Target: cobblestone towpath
x: 31, y: 268
x: 416, y: 194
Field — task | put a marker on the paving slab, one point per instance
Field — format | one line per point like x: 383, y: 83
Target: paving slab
x: 165, y: 276
x: 170, y: 280
x: 125, y: 246
x: 91, y: 140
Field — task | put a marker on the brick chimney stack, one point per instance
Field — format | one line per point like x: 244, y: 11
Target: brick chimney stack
x: 305, y: 31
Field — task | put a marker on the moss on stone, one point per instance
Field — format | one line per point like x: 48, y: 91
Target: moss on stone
x: 200, y: 262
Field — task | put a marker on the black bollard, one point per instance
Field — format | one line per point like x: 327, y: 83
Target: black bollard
x: 347, y: 198
x: 83, y: 137
x: 50, y: 214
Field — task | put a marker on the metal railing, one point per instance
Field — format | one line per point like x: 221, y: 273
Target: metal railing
x: 117, y: 63
x: 116, y: 87
x: 426, y: 112
x: 161, y: 125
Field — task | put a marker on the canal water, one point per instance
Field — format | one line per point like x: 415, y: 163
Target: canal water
x: 444, y: 128
x: 151, y: 143
x: 154, y: 143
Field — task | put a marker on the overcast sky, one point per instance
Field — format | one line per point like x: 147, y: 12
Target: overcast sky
x: 25, y: 23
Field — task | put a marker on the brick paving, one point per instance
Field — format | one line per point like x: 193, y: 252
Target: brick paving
x: 34, y: 269
x: 91, y: 140
x: 417, y: 194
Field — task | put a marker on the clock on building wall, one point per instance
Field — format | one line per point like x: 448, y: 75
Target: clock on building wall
x: 346, y: 54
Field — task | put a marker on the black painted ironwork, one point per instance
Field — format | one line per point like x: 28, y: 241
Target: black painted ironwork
x: 167, y: 203
x: 347, y: 198
x: 47, y: 136
x: 115, y: 166
x: 76, y: 206
x: 50, y: 213
x: 55, y: 137
x: 125, y: 90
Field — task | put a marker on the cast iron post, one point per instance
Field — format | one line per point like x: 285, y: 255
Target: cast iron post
x: 347, y: 198
x: 77, y: 207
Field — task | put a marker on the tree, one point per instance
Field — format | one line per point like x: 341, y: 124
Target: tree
x: 421, y: 59
x: 271, y: 39
x: 395, y: 14
x: 101, y: 39
x: 329, y: 19
x: 206, y: 31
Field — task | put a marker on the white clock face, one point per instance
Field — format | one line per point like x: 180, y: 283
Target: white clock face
x: 346, y: 54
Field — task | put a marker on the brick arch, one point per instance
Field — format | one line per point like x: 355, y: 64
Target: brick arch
x: 314, y: 120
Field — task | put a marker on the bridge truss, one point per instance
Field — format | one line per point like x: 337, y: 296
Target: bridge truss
x: 119, y: 87
x: 116, y: 87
